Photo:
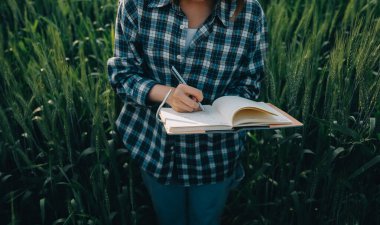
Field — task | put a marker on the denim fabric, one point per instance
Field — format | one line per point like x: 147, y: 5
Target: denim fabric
x: 194, y: 205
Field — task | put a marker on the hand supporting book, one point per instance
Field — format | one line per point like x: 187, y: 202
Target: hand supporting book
x: 227, y: 114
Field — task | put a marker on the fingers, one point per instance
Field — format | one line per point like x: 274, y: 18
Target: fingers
x: 199, y: 107
x: 186, y: 108
x: 189, y: 101
x: 192, y: 91
x: 185, y: 98
x: 184, y: 103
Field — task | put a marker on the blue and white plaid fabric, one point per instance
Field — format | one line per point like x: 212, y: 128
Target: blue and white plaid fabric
x: 224, y: 58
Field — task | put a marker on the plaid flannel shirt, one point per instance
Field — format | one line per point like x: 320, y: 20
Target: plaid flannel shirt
x: 224, y: 58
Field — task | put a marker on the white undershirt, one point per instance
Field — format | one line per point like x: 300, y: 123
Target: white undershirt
x: 189, y: 36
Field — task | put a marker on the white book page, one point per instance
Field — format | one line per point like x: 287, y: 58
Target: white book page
x: 209, y: 117
x: 229, y: 105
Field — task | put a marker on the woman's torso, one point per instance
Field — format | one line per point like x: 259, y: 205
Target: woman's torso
x: 212, y: 64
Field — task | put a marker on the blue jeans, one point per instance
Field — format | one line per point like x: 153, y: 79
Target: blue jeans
x: 194, y: 205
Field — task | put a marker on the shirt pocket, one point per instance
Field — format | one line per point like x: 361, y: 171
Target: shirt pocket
x: 157, y: 50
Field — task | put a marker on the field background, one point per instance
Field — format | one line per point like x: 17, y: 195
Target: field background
x: 61, y: 161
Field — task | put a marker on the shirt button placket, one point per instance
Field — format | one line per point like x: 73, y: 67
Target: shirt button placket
x: 182, y: 39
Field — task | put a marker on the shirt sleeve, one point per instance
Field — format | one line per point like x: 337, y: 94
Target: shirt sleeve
x: 247, y: 84
x: 125, y: 71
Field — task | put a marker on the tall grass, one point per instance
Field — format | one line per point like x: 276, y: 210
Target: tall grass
x: 63, y: 163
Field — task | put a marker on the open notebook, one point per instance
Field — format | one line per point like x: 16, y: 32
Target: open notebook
x: 227, y: 114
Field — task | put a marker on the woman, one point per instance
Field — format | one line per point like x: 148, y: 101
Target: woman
x: 218, y: 47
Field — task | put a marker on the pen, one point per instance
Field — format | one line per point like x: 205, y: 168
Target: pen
x: 181, y: 80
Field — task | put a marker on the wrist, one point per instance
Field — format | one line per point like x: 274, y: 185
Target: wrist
x: 158, y: 92
x: 169, y: 100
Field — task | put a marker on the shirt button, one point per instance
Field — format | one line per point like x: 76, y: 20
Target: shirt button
x: 179, y: 57
x: 182, y: 27
x: 172, y: 148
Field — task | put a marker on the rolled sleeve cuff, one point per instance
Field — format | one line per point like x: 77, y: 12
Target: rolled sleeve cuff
x: 243, y: 92
x: 250, y: 88
x: 140, y: 88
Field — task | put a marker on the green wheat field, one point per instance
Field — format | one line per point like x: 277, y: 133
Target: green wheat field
x: 62, y: 162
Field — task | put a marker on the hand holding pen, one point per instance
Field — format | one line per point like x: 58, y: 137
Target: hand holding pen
x: 185, y: 98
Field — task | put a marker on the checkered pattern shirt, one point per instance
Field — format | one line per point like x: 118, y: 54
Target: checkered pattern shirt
x: 224, y: 58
